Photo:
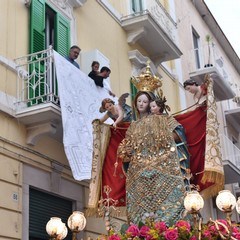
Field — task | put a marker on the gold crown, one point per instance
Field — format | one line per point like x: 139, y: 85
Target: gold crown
x: 146, y: 81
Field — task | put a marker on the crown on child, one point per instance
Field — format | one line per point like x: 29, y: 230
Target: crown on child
x: 146, y: 81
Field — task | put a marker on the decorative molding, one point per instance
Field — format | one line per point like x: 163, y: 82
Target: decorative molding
x: 62, y: 3
x: 65, y: 6
x: 77, y: 3
x: 7, y: 104
x: 8, y: 63
x: 139, y: 63
x: 34, y: 133
x: 134, y: 36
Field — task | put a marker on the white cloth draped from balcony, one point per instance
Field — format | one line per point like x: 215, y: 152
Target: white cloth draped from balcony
x: 80, y: 100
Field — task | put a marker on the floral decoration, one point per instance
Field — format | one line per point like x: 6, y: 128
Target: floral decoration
x: 181, y: 230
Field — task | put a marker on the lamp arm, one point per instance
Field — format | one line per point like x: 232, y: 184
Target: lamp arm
x: 217, y: 223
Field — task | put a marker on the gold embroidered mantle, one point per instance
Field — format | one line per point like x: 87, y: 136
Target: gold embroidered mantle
x: 154, y: 179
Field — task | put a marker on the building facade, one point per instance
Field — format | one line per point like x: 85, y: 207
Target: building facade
x: 36, y: 181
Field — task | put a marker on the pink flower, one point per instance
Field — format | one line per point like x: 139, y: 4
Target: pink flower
x: 235, y: 229
x: 161, y: 227
x: 207, y: 234
x: 133, y: 229
x: 193, y: 238
x: 183, y: 225
x: 236, y: 235
x: 144, y: 231
x: 212, y: 229
x: 221, y: 228
x: 114, y: 237
x: 171, y: 234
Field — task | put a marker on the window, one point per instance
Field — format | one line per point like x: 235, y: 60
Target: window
x: 196, y: 48
x: 42, y: 207
x: 48, y: 27
x: 136, y: 6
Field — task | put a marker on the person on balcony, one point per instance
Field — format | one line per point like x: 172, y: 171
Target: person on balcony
x: 98, y: 78
x: 73, y: 55
x: 95, y: 69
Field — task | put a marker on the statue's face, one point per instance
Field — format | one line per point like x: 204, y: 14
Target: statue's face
x: 155, y: 109
x: 109, y: 106
x: 192, y: 88
x: 142, y: 103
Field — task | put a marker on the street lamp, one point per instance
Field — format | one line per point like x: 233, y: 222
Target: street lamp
x: 56, y: 229
x: 226, y: 202
x: 76, y: 222
x: 193, y: 203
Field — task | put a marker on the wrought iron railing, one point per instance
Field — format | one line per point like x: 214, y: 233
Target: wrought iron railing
x: 36, y: 79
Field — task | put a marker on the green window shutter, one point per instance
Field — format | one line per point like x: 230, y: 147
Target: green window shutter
x: 133, y: 94
x: 62, y: 33
x: 42, y: 207
x: 62, y: 39
x: 37, y: 43
x: 37, y: 26
x: 133, y: 91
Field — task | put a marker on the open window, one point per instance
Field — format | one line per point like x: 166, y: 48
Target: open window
x: 47, y: 27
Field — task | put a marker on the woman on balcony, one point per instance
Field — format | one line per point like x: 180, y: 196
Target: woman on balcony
x: 95, y: 69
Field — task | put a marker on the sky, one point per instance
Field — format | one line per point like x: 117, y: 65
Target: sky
x: 227, y: 14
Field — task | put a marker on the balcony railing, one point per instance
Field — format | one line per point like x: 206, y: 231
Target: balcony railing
x: 208, y: 60
x: 162, y: 17
x: 36, y: 80
x: 231, y: 159
x: 154, y: 29
x: 208, y: 56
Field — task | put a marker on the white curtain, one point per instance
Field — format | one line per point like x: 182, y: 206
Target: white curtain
x: 80, y: 100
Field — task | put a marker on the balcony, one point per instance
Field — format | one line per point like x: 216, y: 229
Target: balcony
x: 38, y: 105
x: 154, y: 30
x: 231, y: 160
x: 207, y: 60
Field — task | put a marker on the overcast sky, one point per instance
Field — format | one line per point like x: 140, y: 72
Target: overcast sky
x: 227, y: 14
